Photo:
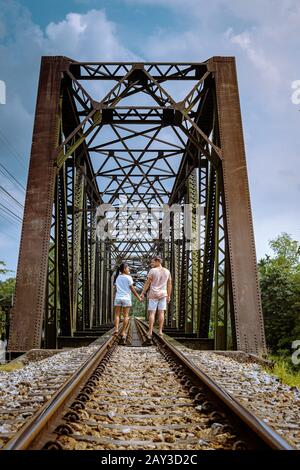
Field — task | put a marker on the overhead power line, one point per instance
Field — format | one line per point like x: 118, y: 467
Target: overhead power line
x: 10, y: 176
x: 3, y: 190
x: 9, y: 212
x: 5, y: 219
x: 12, y: 149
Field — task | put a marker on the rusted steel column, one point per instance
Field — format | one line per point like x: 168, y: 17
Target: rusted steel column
x: 248, y: 316
x: 29, y: 306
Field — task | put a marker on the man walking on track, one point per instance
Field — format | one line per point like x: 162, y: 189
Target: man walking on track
x: 159, y: 284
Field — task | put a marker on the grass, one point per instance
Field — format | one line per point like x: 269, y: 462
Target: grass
x: 10, y: 366
x: 283, y: 370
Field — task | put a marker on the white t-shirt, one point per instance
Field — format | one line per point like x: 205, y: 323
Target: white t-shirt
x: 159, y: 278
x: 123, y: 283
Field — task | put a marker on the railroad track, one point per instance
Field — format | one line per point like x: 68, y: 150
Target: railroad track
x: 140, y: 397
x: 30, y: 390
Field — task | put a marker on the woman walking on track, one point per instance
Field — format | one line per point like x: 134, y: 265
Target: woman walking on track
x: 124, y: 286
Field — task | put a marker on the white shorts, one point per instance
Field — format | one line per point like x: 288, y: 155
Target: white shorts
x: 122, y: 302
x: 161, y: 304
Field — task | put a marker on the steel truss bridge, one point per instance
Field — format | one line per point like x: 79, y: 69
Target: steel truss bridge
x: 152, y: 135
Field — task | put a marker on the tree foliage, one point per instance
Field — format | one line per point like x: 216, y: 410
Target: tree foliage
x: 3, y: 269
x: 7, y: 287
x: 280, y: 291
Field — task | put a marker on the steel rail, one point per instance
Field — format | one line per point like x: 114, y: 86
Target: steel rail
x: 40, y: 421
x: 264, y: 432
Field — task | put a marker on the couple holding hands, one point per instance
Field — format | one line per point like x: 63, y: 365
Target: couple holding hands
x: 159, y: 287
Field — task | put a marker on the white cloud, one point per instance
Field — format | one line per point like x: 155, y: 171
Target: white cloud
x: 171, y: 46
x: 256, y: 56
x: 90, y: 36
x: 263, y: 11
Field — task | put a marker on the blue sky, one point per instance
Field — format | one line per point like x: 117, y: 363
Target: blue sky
x: 263, y: 35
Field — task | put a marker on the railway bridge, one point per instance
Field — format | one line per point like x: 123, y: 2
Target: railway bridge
x: 129, y: 160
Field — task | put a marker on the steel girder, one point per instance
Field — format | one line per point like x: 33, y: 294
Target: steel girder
x: 30, y: 295
x: 146, y: 142
x: 244, y: 286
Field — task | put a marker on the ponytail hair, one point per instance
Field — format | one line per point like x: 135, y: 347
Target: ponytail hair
x: 120, y: 269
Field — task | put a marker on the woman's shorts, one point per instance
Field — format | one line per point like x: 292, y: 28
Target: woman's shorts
x: 161, y: 304
x: 123, y: 303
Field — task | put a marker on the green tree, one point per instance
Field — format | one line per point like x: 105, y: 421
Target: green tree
x: 3, y: 269
x: 280, y: 291
x: 7, y: 289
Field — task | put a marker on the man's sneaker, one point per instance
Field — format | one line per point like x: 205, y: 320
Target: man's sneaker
x: 123, y: 341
